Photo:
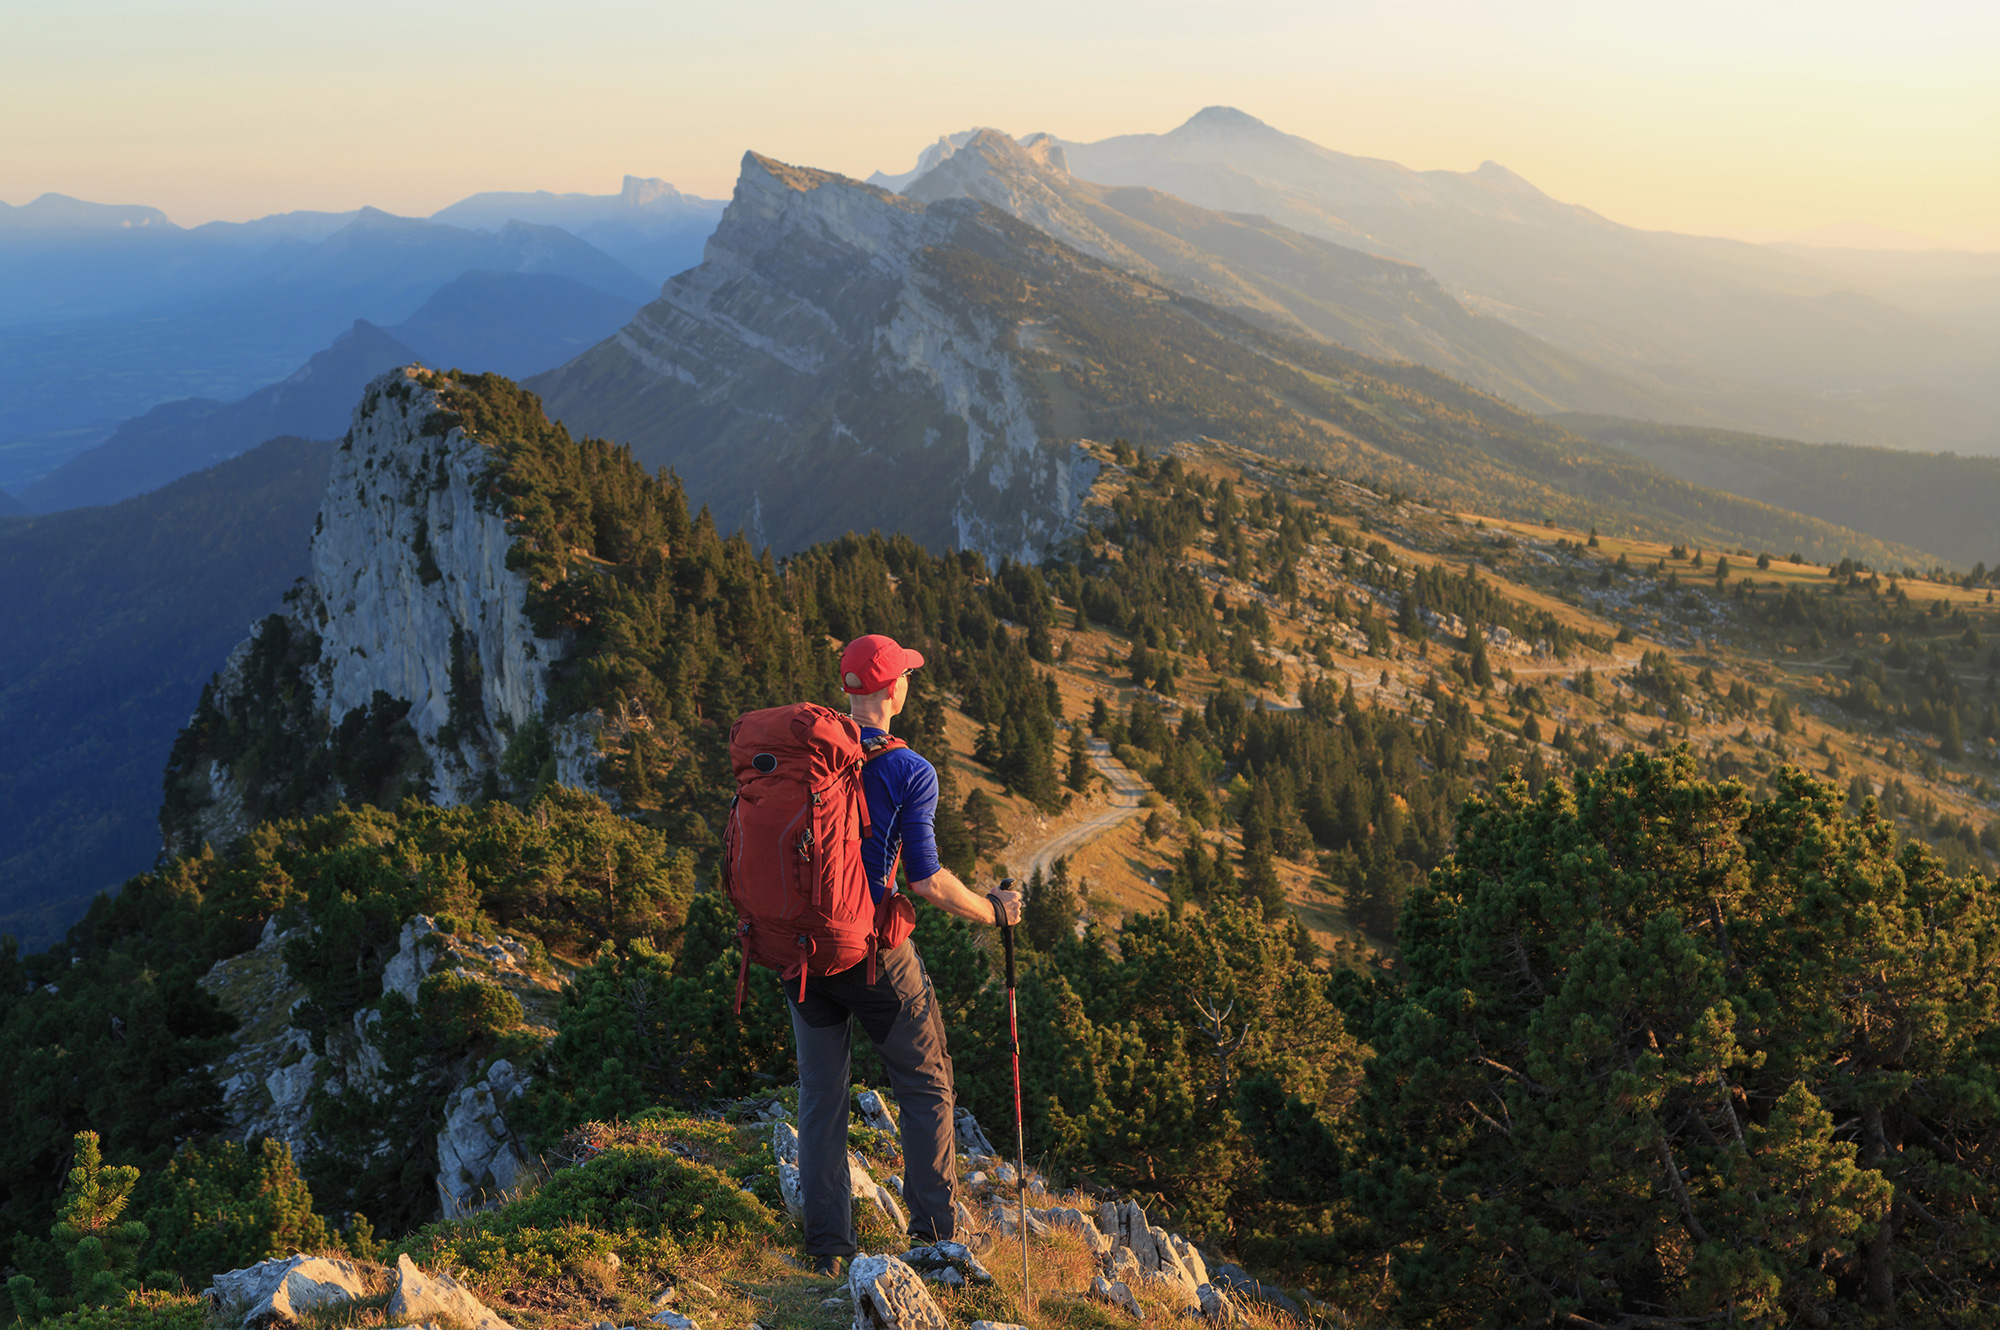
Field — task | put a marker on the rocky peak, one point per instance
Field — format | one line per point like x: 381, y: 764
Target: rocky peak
x: 778, y: 206
x: 825, y: 326
x: 411, y: 623
x: 641, y: 191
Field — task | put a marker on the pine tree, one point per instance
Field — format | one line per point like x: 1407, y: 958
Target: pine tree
x: 100, y: 1251
x: 1476, y: 666
x: 1051, y: 910
x: 1079, y: 771
x: 982, y: 822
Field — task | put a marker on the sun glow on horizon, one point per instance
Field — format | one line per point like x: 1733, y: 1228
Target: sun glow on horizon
x: 1702, y: 118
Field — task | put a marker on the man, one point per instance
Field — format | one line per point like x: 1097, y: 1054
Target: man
x: 898, y: 1011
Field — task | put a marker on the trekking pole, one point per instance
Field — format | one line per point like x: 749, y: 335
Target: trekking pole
x: 1020, y: 1129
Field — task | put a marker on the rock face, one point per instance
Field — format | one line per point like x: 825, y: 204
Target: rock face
x: 420, y: 1298
x: 410, y: 600
x: 276, y: 1292
x: 479, y: 1157
x: 832, y: 360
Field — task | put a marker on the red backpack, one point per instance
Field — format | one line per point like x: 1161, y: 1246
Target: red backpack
x: 791, y: 853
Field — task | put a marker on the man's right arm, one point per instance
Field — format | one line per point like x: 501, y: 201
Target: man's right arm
x: 944, y: 890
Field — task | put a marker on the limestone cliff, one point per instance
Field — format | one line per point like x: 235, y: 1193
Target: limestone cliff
x: 829, y: 367
x: 405, y: 662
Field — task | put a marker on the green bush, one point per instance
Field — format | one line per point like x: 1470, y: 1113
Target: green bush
x: 147, y: 1310
x: 228, y: 1206
x: 642, y: 1202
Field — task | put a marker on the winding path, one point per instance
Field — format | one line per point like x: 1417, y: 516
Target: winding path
x: 1126, y: 791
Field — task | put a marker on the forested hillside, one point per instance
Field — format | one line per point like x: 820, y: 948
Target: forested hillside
x: 1487, y: 954
x: 1938, y: 502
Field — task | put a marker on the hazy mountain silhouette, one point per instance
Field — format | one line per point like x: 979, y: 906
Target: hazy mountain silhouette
x: 505, y: 323
x: 1739, y: 333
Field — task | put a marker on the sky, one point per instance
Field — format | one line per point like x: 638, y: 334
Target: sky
x: 1746, y: 119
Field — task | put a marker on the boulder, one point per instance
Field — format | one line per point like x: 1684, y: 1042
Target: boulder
x: 1235, y: 1279
x: 970, y: 1136
x: 1118, y: 1294
x: 274, y: 1292
x: 862, y: 1183
x: 420, y: 1297
x: 479, y: 1158
x: 1152, y: 1246
x: 1216, y: 1305
x: 888, y: 1295
x: 942, y: 1256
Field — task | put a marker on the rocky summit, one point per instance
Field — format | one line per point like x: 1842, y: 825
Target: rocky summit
x: 410, y: 638
x: 830, y: 358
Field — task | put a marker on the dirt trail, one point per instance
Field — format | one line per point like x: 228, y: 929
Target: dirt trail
x: 1024, y: 857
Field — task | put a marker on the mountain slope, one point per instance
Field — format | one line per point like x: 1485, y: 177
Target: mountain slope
x: 845, y: 358
x: 1933, y: 501
x: 511, y: 323
x: 1380, y: 307
x: 824, y: 327
x: 113, y: 619
x: 1741, y: 334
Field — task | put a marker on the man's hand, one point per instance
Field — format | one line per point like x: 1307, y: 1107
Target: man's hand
x: 944, y: 890
x: 1010, y: 906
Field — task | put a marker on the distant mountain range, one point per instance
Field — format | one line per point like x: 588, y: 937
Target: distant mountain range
x: 506, y: 323
x: 848, y: 358
x: 220, y: 310
x: 1736, y: 334
x: 1298, y: 283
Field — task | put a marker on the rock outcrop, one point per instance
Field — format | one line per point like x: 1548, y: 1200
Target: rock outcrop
x: 888, y: 1295
x: 833, y: 358
x: 861, y: 1182
x: 480, y: 1159
x: 277, y: 1292
x: 421, y: 1298
x: 410, y: 609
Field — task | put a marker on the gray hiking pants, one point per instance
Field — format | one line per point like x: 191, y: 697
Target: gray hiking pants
x: 899, y: 1013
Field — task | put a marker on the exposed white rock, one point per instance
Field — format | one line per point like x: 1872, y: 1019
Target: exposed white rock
x: 413, y: 960
x: 410, y: 580
x: 480, y: 1160
x: 420, y: 1297
x: 875, y: 1111
x: 1118, y: 1293
x: 888, y: 1295
x: 277, y: 1291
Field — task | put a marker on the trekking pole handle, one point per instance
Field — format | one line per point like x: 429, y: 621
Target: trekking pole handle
x: 1006, y: 929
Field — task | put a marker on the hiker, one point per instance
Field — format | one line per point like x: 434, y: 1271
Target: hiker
x: 897, y: 1010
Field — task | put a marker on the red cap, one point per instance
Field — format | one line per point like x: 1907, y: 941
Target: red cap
x: 872, y: 663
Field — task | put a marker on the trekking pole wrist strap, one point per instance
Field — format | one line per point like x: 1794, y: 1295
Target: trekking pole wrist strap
x: 999, y: 915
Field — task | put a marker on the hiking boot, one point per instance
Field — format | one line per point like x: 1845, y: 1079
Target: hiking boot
x: 826, y: 1267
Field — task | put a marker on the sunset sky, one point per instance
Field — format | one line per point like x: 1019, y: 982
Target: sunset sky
x: 1743, y: 119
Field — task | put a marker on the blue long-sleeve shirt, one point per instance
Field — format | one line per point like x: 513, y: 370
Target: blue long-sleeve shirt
x: 902, y: 793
